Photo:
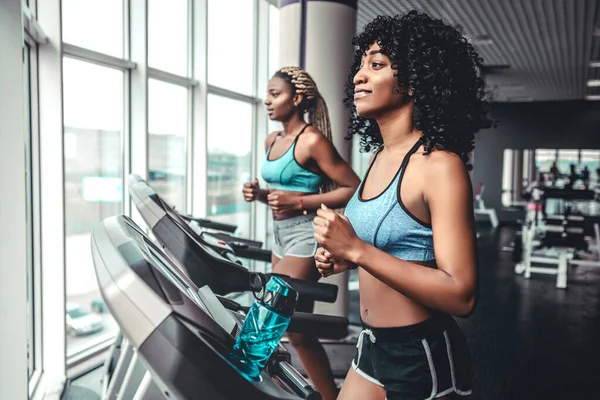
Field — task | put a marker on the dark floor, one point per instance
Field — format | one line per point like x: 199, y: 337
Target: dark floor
x: 529, y: 340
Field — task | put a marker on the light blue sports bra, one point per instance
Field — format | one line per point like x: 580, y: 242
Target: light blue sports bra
x: 285, y: 173
x: 384, y: 221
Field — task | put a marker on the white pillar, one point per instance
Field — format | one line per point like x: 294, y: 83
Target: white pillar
x: 323, y: 40
x: 13, y: 222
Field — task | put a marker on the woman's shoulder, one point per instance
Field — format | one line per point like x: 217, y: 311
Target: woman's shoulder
x: 443, y: 164
x: 271, y: 138
x: 313, y: 137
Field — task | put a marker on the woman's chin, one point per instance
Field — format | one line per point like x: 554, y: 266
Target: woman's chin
x: 364, y: 112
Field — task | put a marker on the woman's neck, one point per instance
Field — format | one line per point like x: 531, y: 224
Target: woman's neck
x: 293, y: 125
x: 397, y: 130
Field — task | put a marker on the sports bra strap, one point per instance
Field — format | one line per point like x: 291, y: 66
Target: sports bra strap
x: 301, y: 132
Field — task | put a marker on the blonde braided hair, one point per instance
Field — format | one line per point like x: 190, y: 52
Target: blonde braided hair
x: 313, y: 103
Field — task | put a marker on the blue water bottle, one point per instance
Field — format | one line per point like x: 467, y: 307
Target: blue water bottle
x: 263, y: 328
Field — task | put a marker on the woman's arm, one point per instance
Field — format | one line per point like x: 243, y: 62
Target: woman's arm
x: 335, y: 168
x: 262, y: 194
x: 449, y: 288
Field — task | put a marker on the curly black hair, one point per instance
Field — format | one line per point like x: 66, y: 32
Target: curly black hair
x: 441, y: 67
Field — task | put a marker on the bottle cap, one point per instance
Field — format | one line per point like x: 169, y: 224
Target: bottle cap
x: 280, y: 296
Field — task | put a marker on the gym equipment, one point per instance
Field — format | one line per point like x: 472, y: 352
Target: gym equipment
x: 555, y: 240
x: 205, y: 258
x: 192, y: 249
x: 172, y: 335
x: 243, y: 248
x: 481, y: 209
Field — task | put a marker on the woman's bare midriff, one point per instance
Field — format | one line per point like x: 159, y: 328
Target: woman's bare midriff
x: 292, y: 214
x: 382, y: 307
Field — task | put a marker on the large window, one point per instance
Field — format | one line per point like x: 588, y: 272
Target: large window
x: 93, y: 126
x: 144, y: 95
x: 229, y: 160
x: 168, y: 35
x: 168, y: 127
x: 231, y: 52
x: 94, y: 24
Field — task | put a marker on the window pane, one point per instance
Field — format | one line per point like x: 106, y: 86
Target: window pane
x: 94, y: 24
x: 566, y: 158
x: 273, y: 40
x: 93, y: 119
x: 229, y: 161
x: 168, y: 35
x: 231, y: 44
x: 544, y: 159
x: 167, y: 154
x: 591, y: 159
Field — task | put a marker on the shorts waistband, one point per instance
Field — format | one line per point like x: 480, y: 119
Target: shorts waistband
x: 435, y: 324
x: 288, y: 223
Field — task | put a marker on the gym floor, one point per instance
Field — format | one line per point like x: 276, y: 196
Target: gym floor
x: 529, y: 340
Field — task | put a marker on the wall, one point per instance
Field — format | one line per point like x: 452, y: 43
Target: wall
x: 550, y: 125
x: 13, y: 221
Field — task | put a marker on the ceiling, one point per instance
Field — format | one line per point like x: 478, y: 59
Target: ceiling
x: 546, y: 46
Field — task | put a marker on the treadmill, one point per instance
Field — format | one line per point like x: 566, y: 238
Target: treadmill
x: 244, y: 248
x: 206, y: 258
x: 225, y: 276
x: 183, y: 349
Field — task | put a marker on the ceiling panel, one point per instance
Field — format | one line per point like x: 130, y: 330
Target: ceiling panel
x: 548, y: 44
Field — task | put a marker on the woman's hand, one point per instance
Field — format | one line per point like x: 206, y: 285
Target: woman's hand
x: 282, y: 202
x: 327, y: 265
x: 335, y: 233
x: 251, y: 190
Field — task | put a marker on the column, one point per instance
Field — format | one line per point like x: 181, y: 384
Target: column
x: 517, y: 175
x: 317, y: 35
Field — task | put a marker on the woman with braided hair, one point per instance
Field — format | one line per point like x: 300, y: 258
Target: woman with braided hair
x: 304, y: 171
x: 416, y: 99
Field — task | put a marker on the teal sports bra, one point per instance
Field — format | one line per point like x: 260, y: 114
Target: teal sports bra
x: 285, y: 173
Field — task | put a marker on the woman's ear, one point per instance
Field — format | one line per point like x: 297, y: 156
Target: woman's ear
x: 298, y: 99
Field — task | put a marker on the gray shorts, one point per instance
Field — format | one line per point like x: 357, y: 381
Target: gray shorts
x: 294, y: 237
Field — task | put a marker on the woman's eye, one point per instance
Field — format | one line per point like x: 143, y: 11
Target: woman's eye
x: 376, y: 65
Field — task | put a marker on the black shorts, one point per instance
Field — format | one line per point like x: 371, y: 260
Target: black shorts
x: 427, y: 360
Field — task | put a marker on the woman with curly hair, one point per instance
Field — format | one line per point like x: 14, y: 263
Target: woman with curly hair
x: 409, y: 228
x: 303, y: 170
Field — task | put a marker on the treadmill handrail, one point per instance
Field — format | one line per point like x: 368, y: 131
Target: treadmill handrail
x: 324, y: 292
x: 208, y: 224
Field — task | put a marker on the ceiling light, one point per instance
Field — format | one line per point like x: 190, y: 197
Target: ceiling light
x: 593, y: 97
x: 594, y: 64
x: 479, y: 39
x: 593, y: 83
x: 596, y: 31
x: 520, y: 99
